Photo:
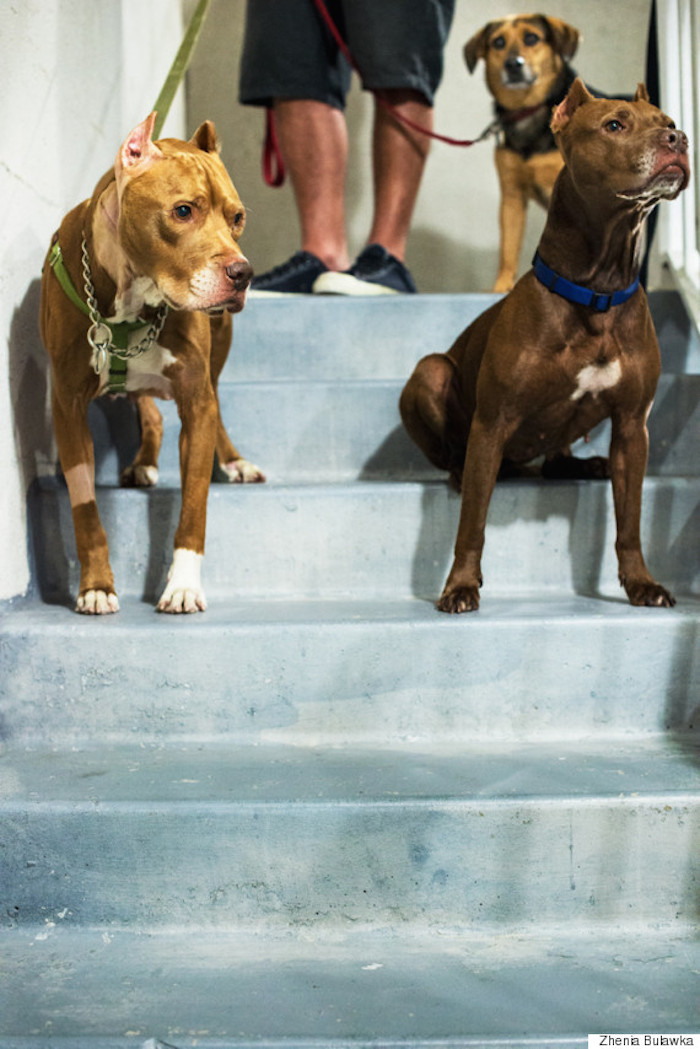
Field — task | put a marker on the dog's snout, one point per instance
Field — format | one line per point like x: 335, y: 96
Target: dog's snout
x: 514, y: 62
x: 240, y: 274
x: 675, y: 140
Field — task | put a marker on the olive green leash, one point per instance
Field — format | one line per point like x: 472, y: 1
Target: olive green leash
x: 112, y: 342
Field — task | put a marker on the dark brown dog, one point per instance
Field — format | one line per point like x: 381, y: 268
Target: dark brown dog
x: 571, y: 345
x: 527, y: 73
x: 149, y: 267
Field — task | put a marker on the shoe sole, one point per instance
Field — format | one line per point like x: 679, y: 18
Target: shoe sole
x: 345, y: 284
x: 261, y: 293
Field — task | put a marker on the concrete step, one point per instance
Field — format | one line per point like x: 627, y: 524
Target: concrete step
x: 377, y: 540
x: 334, y: 337
x: 360, y: 990
x: 516, y: 837
x: 311, y: 431
x: 374, y: 673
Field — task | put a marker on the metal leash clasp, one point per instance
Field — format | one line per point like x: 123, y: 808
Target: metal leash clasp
x: 100, y: 338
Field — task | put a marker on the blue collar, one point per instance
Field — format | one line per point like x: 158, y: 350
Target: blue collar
x: 576, y: 292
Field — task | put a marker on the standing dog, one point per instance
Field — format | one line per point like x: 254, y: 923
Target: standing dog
x: 572, y: 344
x: 156, y: 251
x: 527, y: 72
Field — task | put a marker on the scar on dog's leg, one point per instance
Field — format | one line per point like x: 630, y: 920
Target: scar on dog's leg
x: 432, y: 414
x: 143, y: 472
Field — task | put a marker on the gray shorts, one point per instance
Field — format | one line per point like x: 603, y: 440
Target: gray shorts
x: 289, y: 53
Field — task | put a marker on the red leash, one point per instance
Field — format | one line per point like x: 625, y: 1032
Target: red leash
x: 273, y: 164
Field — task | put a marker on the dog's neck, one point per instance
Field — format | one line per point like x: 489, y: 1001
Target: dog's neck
x: 599, y: 244
x: 122, y: 294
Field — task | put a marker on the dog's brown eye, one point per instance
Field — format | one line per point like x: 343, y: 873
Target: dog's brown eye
x: 498, y: 43
x: 530, y: 39
x: 183, y: 211
x: 614, y: 125
x: 238, y: 218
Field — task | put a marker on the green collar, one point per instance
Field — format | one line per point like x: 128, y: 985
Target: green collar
x: 114, y: 347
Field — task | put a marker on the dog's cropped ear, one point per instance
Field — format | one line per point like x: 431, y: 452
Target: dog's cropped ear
x: 563, y: 37
x: 475, y: 48
x: 138, y: 150
x: 578, y: 96
x: 641, y: 94
x: 206, y: 138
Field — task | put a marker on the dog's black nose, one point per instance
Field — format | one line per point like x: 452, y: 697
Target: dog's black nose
x: 675, y: 140
x: 514, y: 63
x: 240, y: 274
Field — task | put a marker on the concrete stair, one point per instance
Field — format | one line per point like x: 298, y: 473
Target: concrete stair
x: 322, y: 814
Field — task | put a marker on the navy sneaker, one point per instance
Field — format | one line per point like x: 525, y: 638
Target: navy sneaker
x: 296, y: 276
x: 374, y: 272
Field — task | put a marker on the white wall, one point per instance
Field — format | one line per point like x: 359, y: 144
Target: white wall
x: 453, y: 243
x: 75, y: 77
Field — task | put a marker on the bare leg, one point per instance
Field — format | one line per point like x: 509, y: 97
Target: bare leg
x: 399, y: 156
x: 314, y: 143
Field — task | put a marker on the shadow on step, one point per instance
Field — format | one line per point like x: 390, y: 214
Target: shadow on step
x: 55, y: 571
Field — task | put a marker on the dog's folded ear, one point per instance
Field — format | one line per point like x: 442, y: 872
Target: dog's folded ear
x: 578, y: 95
x: 476, y: 47
x: 206, y: 138
x: 563, y: 37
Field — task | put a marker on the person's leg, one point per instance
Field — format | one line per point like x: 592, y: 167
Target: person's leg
x: 399, y: 155
x: 314, y: 144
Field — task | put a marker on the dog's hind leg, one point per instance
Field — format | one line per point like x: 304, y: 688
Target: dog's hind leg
x: 433, y: 416
x: 143, y: 472
x: 233, y: 467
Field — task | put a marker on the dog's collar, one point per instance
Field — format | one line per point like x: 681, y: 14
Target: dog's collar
x: 108, y: 339
x: 514, y: 116
x: 576, y: 292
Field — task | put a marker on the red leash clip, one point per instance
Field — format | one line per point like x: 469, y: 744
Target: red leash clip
x: 273, y: 164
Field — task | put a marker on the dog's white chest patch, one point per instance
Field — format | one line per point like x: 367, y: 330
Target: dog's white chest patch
x: 145, y: 372
x: 595, y: 378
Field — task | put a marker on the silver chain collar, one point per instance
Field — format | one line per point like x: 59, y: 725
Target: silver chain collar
x: 99, y: 334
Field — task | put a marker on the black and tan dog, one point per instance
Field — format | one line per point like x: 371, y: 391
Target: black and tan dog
x: 527, y: 72
x: 572, y: 344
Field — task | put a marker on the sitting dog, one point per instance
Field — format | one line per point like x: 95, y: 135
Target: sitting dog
x: 527, y: 72
x: 155, y: 250
x: 572, y: 344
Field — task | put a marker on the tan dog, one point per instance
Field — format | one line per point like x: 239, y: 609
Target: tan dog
x: 572, y: 344
x: 155, y: 253
x: 527, y: 73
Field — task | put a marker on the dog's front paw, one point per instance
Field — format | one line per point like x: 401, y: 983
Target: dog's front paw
x: 139, y: 476
x: 183, y: 592
x: 459, y: 599
x: 240, y: 471
x: 649, y: 595
x: 182, y: 599
x: 97, y: 602
x: 503, y: 284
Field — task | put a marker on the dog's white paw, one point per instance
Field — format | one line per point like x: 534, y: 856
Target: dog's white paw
x: 240, y: 471
x: 139, y: 477
x: 183, y: 592
x: 97, y: 603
